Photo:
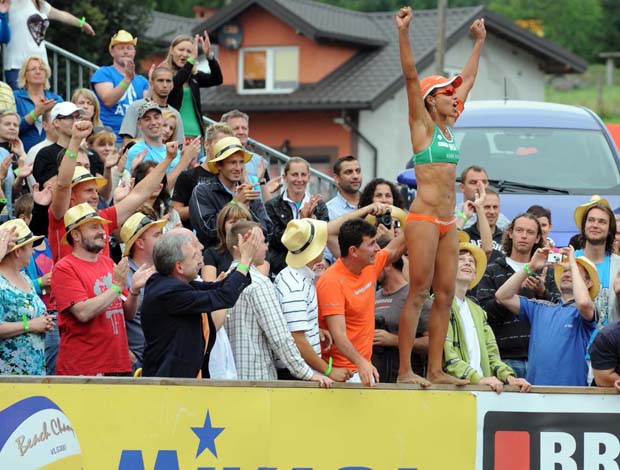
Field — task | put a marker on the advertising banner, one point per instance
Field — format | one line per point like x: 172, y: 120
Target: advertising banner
x: 548, y: 431
x: 100, y: 426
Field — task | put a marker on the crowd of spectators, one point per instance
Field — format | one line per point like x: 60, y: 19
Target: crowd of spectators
x: 137, y: 242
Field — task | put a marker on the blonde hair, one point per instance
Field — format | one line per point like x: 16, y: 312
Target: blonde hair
x: 21, y: 77
x: 175, y: 42
x: 167, y: 114
x: 90, y: 96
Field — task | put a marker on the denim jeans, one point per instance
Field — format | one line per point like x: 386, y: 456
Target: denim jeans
x: 52, y: 340
x: 518, y: 365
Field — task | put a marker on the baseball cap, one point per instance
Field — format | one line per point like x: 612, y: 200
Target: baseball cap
x: 146, y: 107
x: 66, y: 108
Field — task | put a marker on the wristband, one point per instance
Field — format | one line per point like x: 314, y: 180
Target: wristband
x: 191, y: 60
x: 40, y: 283
x: 135, y: 294
x: 70, y: 154
x: 243, y: 267
x: 116, y: 289
x: 526, y: 268
x: 329, y: 367
x: 25, y: 323
x: 262, y: 182
x: 460, y: 215
x: 3, y: 200
x: 124, y: 86
x: 33, y: 116
x: 16, y: 171
x: 82, y: 21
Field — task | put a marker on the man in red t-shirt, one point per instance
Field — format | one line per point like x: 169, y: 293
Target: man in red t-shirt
x: 75, y: 186
x: 346, y: 296
x: 88, y: 289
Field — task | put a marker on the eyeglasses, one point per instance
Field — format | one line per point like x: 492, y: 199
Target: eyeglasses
x: 445, y: 91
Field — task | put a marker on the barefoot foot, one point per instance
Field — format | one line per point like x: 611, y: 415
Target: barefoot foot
x: 411, y: 378
x: 445, y: 379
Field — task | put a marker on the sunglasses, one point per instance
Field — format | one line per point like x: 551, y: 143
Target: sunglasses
x: 445, y: 91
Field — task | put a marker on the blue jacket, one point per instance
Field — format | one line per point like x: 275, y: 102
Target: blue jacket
x: 5, y: 31
x: 28, y: 133
x: 172, y: 322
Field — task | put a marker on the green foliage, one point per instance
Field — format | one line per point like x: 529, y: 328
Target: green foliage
x: 106, y: 17
x: 185, y: 7
x: 576, y: 25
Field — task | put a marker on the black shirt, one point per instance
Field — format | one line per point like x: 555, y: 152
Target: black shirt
x: 186, y: 182
x: 605, y: 350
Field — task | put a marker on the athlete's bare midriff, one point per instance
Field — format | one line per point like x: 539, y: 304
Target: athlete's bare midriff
x: 435, y: 194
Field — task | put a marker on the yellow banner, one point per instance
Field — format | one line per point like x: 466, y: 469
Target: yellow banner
x: 159, y: 427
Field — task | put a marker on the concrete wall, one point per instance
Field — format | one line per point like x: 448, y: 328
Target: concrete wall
x: 387, y: 126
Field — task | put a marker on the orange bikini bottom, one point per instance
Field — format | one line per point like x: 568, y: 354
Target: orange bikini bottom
x: 444, y: 225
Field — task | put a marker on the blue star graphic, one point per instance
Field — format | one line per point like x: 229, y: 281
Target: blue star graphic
x: 207, y: 435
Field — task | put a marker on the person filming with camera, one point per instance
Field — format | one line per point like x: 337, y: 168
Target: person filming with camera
x: 559, y: 331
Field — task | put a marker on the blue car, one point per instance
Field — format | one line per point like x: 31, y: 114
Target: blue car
x: 549, y: 154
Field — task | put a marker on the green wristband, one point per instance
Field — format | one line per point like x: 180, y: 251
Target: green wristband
x: 124, y: 86
x: 243, y: 267
x: 25, y: 323
x: 33, y: 116
x: 329, y: 367
x: 191, y: 60
x: 460, y: 215
x: 40, y: 283
x: 82, y: 21
x: 70, y: 154
x: 526, y: 268
x: 116, y: 289
x: 3, y: 200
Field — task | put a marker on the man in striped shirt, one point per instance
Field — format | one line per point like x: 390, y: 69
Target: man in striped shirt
x: 255, y: 325
x: 305, y: 240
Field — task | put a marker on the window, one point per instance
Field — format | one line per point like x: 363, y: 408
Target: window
x: 268, y: 70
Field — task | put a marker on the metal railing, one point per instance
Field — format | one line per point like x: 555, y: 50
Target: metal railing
x: 69, y: 71
x: 320, y: 183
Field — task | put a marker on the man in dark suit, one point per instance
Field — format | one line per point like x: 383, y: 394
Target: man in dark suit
x: 178, y: 329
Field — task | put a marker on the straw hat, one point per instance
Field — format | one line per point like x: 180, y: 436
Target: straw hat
x: 81, y: 175
x: 225, y: 148
x: 24, y: 234
x: 558, y: 270
x: 479, y: 257
x: 305, y: 240
x: 80, y: 215
x: 433, y: 82
x: 135, y: 226
x: 463, y: 236
x: 397, y: 213
x: 580, y: 210
x: 122, y: 37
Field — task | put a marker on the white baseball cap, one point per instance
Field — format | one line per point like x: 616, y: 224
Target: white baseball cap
x: 66, y: 108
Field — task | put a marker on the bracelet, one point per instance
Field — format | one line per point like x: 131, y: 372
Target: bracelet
x: 124, y: 85
x: 3, y: 200
x: 191, y: 60
x: 33, y: 116
x: 82, y: 21
x: 116, y: 289
x: 243, y: 267
x: 40, y: 283
x: 526, y: 268
x: 329, y: 367
x: 262, y: 182
x: 70, y: 154
x: 25, y: 323
x: 135, y: 294
x: 460, y: 215
x: 16, y: 171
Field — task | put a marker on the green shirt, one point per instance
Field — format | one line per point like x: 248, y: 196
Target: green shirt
x: 188, y: 115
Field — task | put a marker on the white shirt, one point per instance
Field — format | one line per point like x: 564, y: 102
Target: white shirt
x: 295, y: 207
x: 24, y: 40
x: 471, y: 335
x: 515, y: 265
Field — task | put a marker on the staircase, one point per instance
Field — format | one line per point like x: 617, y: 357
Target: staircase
x: 70, y: 72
